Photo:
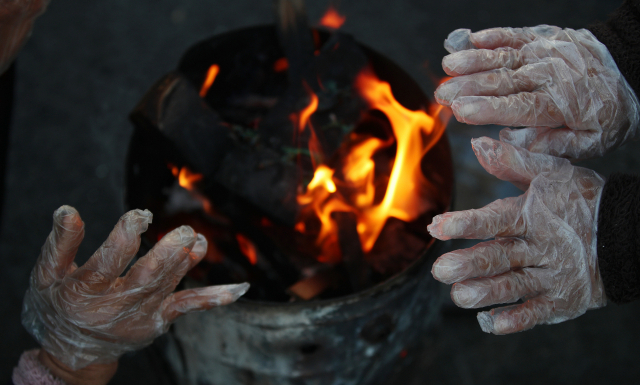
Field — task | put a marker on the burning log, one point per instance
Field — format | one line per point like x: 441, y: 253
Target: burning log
x: 351, y: 250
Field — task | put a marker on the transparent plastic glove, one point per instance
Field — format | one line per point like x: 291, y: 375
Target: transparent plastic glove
x: 544, y: 251
x: 562, y: 84
x: 16, y: 21
x: 89, y: 314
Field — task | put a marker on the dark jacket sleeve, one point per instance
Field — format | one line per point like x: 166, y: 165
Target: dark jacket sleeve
x: 619, y: 237
x: 621, y: 34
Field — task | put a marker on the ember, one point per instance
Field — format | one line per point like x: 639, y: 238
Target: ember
x: 332, y: 19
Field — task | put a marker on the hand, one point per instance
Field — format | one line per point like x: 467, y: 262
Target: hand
x: 89, y: 314
x: 562, y: 84
x: 16, y: 21
x: 544, y: 250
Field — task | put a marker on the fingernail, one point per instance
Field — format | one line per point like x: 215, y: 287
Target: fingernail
x: 463, y: 110
x: 458, y: 40
x: 450, y: 268
x: 465, y: 296
x: 238, y: 290
x: 137, y: 220
x: 181, y: 235
x: 502, y: 325
x: 486, y: 321
x: 225, y: 294
x: 200, y: 248
x: 64, y: 211
x: 486, y: 149
x: 435, y: 228
x: 444, y: 94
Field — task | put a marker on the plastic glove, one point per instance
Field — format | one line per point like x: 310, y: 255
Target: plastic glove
x: 92, y: 315
x: 544, y: 251
x: 16, y: 21
x: 541, y: 77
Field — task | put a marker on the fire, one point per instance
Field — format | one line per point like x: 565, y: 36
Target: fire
x: 188, y: 179
x: 332, y: 19
x: 208, y: 81
x: 247, y: 248
x: 415, y: 133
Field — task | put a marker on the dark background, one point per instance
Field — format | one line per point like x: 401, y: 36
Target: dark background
x: 89, y: 62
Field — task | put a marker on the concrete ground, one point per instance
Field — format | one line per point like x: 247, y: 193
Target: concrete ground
x: 89, y: 62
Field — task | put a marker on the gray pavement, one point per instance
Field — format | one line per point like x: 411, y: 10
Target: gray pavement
x: 89, y: 62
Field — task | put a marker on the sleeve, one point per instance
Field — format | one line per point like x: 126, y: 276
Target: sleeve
x: 618, y: 238
x: 31, y: 372
x: 621, y: 35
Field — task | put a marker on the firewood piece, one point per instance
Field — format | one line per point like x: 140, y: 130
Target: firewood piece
x: 174, y: 107
x: 330, y: 76
x: 396, y: 248
x: 258, y: 175
x: 352, y: 254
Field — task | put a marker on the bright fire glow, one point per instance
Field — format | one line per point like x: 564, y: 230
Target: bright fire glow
x: 247, y: 248
x: 332, y: 19
x: 208, y: 81
x: 415, y: 133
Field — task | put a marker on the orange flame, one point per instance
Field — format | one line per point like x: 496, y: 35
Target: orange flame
x: 187, y: 179
x: 211, y: 76
x: 332, y: 19
x: 247, y: 248
x: 415, y: 133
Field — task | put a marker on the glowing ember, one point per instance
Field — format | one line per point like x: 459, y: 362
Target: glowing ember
x: 332, y: 19
x: 281, y: 64
x: 211, y: 76
x: 415, y: 133
x: 247, y: 248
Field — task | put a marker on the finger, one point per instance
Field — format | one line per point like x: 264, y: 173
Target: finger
x: 205, y: 298
x: 516, y: 318
x: 60, y: 248
x: 500, y: 218
x: 559, y: 142
x: 485, y: 259
x: 512, y: 37
x: 524, y: 109
x: 498, y: 82
x: 110, y: 260
x: 514, y: 164
x: 458, y: 40
x: 505, y: 288
x: 162, y: 268
x: 478, y: 60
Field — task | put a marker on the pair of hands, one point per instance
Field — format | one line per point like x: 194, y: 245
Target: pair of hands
x: 565, y: 88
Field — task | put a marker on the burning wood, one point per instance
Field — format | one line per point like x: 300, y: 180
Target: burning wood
x: 324, y: 174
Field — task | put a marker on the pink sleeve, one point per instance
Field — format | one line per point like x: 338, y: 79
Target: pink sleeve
x: 30, y: 371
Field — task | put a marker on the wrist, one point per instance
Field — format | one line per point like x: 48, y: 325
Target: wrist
x: 94, y: 374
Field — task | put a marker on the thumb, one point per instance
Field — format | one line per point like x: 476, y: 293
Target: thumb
x: 514, y: 164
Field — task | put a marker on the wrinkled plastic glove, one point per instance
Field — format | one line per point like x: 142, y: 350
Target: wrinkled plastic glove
x: 562, y: 84
x: 89, y: 314
x: 16, y: 22
x: 544, y: 251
